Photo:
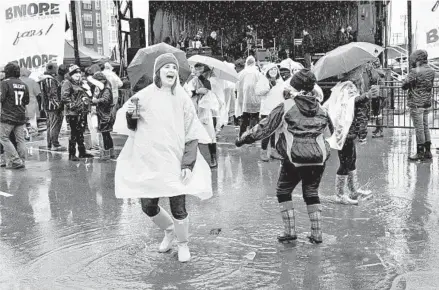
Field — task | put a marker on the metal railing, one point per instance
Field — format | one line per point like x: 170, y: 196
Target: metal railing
x: 393, y: 109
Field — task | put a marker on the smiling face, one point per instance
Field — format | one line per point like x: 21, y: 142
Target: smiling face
x: 168, y: 75
x: 273, y: 72
x: 77, y: 76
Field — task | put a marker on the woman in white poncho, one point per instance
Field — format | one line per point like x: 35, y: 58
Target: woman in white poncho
x: 161, y: 156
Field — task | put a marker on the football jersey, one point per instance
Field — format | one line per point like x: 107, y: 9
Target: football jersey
x: 14, y: 98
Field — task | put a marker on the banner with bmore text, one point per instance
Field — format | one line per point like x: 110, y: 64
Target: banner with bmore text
x: 32, y: 32
x: 427, y: 27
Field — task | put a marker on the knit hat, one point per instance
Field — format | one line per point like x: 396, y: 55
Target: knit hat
x: 303, y: 80
x: 52, y: 68
x: 74, y: 69
x: 99, y: 76
x: 163, y: 60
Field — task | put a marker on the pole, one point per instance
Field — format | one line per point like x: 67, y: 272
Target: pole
x: 75, y: 32
x: 409, y: 27
x: 386, y: 32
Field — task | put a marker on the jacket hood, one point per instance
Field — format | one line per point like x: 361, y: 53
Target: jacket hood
x: 24, y: 72
x: 307, y: 104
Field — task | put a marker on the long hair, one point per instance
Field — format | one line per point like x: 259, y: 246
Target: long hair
x: 158, y: 82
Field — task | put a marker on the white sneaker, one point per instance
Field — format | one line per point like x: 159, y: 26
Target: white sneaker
x: 345, y: 200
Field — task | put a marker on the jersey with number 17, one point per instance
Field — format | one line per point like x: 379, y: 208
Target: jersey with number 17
x: 14, y: 98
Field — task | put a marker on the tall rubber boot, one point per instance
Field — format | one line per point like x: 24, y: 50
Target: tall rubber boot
x: 164, y: 221
x: 83, y: 153
x: 354, y: 187
x: 315, y: 217
x: 419, y: 153
x: 112, y: 155
x: 427, y: 150
x: 264, y: 155
x: 289, y: 220
x: 181, y: 228
x: 213, y: 159
x: 105, y: 154
x: 72, y: 151
x: 340, y: 191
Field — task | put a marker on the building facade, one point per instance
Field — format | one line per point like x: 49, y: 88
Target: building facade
x: 96, y: 25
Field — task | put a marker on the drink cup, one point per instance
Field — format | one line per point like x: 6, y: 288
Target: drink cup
x: 136, y: 114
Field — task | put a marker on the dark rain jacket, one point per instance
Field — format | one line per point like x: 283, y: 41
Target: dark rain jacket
x: 14, y: 99
x: 73, y: 97
x: 104, y: 109
x: 419, y: 82
x: 301, y: 118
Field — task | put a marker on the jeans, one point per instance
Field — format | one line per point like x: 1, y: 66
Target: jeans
x: 248, y: 120
x: 420, y: 122
x: 54, y: 123
x: 290, y: 176
x: 271, y: 139
x: 108, y: 141
x: 13, y: 155
x: 348, y: 157
x: 150, y: 206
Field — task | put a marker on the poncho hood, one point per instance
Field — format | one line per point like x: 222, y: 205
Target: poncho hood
x: 307, y: 104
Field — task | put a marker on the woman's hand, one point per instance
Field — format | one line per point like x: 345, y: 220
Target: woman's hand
x: 94, y: 100
x: 131, y: 108
x: 186, y: 175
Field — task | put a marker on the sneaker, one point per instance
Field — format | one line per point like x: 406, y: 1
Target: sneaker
x: 362, y: 141
x: 275, y: 155
x: 59, y: 148
x: 16, y: 165
x: 378, y: 135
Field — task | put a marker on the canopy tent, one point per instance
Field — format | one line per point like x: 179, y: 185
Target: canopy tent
x: 87, y: 56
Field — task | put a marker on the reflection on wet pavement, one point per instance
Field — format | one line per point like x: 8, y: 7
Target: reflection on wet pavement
x: 64, y: 229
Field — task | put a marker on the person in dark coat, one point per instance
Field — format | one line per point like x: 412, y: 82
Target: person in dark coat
x: 14, y: 98
x: 341, y: 37
x: 419, y: 83
x: 75, y: 96
x: 103, y: 99
x: 307, y: 47
x: 304, y: 149
x: 212, y: 42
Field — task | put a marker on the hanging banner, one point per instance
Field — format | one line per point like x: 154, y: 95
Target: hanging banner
x: 32, y: 32
x: 427, y: 28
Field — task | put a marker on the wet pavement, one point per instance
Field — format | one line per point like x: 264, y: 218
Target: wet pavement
x: 61, y: 227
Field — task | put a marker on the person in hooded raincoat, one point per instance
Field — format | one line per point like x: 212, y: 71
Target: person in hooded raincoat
x: 299, y: 124
x: 103, y: 98
x: 32, y: 110
x: 160, y: 157
x: 248, y: 103
x: 345, y: 107
x: 270, y: 88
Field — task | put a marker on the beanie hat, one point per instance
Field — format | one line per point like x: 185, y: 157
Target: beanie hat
x: 62, y: 70
x: 303, y: 80
x: 354, y: 75
x: 99, y: 76
x: 51, y: 68
x: 163, y: 60
x: 74, y: 69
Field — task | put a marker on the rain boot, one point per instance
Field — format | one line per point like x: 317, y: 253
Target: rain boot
x: 275, y: 155
x: 83, y: 153
x: 164, y: 221
x: 419, y: 153
x: 182, y: 234
x: 105, y: 154
x: 315, y: 217
x: 213, y: 159
x: 264, y: 155
x: 427, y: 152
x: 289, y: 220
x: 378, y: 133
x: 2, y: 160
x: 340, y: 190
x: 72, y: 151
x: 354, y: 186
x: 112, y: 155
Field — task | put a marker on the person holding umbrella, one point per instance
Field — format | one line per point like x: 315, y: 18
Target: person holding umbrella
x: 345, y: 109
x: 302, y: 122
x: 160, y: 157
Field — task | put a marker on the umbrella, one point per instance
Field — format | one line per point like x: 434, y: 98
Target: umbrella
x: 142, y: 64
x: 220, y: 69
x: 345, y: 58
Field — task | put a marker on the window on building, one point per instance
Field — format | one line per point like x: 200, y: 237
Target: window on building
x: 113, y: 20
x: 97, y: 4
x: 99, y: 36
x: 113, y: 36
x: 86, y: 4
x: 98, y: 19
x: 100, y: 50
x: 88, y: 37
x: 88, y: 19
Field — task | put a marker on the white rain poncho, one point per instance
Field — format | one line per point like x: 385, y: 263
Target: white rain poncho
x: 149, y: 165
x: 270, y: 98
x: 247, y: 100
x: 341, y: 110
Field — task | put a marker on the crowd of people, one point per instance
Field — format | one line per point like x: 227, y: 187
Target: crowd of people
x: 280, y: 105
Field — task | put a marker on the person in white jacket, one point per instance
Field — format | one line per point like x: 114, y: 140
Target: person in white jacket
x: 270, y: 88
x: 115, y: 82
